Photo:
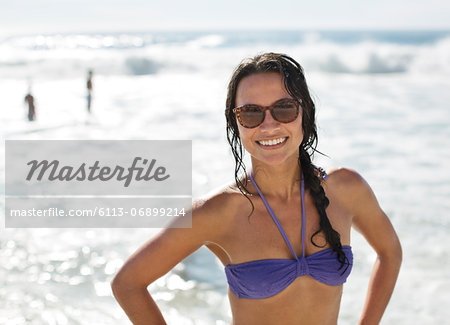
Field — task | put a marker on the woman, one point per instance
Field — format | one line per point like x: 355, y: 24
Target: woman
x: 283, y: 230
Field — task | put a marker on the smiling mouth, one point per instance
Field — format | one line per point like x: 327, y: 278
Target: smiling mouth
x: 272, y: 142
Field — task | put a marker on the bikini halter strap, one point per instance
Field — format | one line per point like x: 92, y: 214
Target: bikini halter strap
x: 275, y: 219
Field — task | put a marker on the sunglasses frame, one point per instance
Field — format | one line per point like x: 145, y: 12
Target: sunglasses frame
x: 263, y: 109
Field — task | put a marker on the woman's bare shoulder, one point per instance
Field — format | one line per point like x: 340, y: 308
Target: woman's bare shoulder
x: 220, y: 198
x: 346, y: 183
x: 345, y: 177
x: 219, y: 206
x: 352, y: 190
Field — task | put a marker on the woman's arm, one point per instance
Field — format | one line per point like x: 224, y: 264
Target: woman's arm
x: 156, y: 258
x: 370, y: 220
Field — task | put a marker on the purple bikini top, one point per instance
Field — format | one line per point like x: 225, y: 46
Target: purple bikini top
x: 265, y: 278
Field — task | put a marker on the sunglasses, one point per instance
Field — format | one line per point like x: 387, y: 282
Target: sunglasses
x: 284, y: 110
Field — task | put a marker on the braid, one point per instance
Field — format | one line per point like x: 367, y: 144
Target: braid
x: 312, y: 182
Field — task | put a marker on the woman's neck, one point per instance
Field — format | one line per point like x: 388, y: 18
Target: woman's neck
x: 278, y: 180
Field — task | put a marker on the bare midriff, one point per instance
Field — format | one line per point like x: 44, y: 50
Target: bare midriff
x: 305, y: 301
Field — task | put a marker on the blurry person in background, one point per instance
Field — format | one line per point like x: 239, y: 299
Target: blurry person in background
x: 29, y: 99
x: 89, y: 90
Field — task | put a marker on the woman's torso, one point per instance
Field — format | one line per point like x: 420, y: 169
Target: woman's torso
x: 245, y: 238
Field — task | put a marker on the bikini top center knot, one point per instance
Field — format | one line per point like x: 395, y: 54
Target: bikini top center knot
x: 302, y: 267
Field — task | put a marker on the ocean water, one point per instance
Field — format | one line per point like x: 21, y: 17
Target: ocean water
x: 383, y: 109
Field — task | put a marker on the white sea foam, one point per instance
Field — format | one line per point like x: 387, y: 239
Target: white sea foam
x: 65, y: 56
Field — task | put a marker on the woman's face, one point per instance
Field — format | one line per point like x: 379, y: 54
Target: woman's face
x: 264, y: 89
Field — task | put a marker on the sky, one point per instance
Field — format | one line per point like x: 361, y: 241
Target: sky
x: 56, y: 16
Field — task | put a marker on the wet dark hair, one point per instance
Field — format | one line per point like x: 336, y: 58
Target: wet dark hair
x: 295, y: 84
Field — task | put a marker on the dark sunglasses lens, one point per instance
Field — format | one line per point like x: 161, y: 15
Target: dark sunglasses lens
x: 285, y: 111
x: 251, y: 116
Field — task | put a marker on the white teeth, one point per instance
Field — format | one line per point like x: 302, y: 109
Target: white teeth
x: 272, y: 142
